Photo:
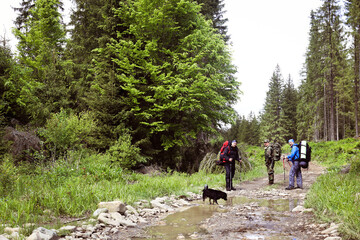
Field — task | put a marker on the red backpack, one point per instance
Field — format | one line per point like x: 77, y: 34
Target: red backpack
x: 222, y: 159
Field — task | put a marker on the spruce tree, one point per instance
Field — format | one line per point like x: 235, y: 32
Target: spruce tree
x: 42, y: 75
x: 272, y: 119
x: 289, y: 105
x: 213, y: 10
x: 353, y: 21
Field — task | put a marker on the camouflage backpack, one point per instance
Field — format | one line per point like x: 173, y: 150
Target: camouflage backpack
x: 276, y: 151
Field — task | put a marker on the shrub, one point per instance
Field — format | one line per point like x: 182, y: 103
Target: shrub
x: 126, y: 154
x: 67, y: 131
x: 22, y: 145
x: 8, y: 176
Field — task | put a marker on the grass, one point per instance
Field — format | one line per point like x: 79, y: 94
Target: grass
x: 73, y: 188
x: 66, y: 191
x: 333, y: 195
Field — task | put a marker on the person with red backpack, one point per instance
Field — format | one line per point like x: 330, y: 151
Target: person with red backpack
x: 231, y: 154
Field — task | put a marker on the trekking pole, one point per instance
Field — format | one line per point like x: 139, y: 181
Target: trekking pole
x: 283, y: 157
x: 230, y: 175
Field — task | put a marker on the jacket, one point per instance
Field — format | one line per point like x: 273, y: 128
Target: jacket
x: 295, y: 154
x: 232, y: 152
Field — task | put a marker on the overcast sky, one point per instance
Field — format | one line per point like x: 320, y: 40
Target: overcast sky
x: 263, y: 34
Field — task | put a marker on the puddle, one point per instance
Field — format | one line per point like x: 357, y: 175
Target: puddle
x: 187, y: 223
x: 184, y: 223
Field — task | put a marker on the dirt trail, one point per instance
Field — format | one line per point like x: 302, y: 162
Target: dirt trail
x: 255, y: 210
x: 267, y: 212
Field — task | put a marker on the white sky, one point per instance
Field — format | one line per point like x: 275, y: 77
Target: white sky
x: 263, y: 34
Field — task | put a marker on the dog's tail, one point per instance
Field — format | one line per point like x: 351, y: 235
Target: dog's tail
x: 206, y: 187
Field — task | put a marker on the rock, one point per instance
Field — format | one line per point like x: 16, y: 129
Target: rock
x: 121, y: 220
x: 115, y: 206
x: 131, y: 210
x: 42, y: 234
x: 180, y: 236
x: 332, y: 229
x: 3, y: 237
x: 157, y: 203
x: 10, y: 230
x: 107, y: 219
x: 68, y: 228
x: 308, y: 210
x: 298, y: 209
x: 15, y: 235
x: 100, y: 210
x: 357, y: 197
x: 333, y: 238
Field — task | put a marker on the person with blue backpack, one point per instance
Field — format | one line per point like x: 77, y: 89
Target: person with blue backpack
x: 295, y: 170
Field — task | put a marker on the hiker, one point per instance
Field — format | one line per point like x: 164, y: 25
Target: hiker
x: 269, y: 160
x: 295, y: 170
x: 231, y: 155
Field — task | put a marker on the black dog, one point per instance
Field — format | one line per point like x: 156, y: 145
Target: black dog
x: 213, y: 194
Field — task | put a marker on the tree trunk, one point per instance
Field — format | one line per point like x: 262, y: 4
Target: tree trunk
x: 357, y: 79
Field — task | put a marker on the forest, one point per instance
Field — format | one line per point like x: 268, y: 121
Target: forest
x: 152, y: 82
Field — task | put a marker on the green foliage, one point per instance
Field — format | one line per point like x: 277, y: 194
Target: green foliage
x: 334, y: 197
x: 65, y: 189
x: 126, y: 154
x: 326, y: 92
x: 245, y: 130
x: 213, y: 10
x: 42, y: 82
x: 272, y: 124
x: 8, y: 176
x: 167, y: 76
x: 336, y: 153
x: 66, y: 131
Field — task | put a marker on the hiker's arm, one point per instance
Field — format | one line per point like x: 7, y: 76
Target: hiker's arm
x: 292, y: 154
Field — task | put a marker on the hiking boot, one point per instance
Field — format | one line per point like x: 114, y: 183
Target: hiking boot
x: 298, y: 187
x: 232, y: 188
x: 289, y: 188
x: 228, y: 189
x: 271, y: 183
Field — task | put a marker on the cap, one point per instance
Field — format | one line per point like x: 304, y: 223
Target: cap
x: 291, y: 140
x: 266, y: 140
x: 234, y: 141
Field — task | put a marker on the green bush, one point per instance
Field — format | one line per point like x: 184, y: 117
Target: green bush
x: 8, y: 176
x: 126, y: 154
x: 67, y: 131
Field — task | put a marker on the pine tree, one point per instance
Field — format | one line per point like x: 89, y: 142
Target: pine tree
x: 332, y: 38
x: 272, y: 119
x: 43, y: 77
x: 289, y: 105
x: 213, y: 10
x: 353, y: 20
x: 309, y: 111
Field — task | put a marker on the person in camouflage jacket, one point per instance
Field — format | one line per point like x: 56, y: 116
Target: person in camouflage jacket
x: 269, y: 160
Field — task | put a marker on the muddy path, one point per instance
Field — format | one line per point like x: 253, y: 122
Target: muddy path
x: 255, y: 210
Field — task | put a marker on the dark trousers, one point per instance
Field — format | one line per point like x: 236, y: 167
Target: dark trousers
x: 230, y: 172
